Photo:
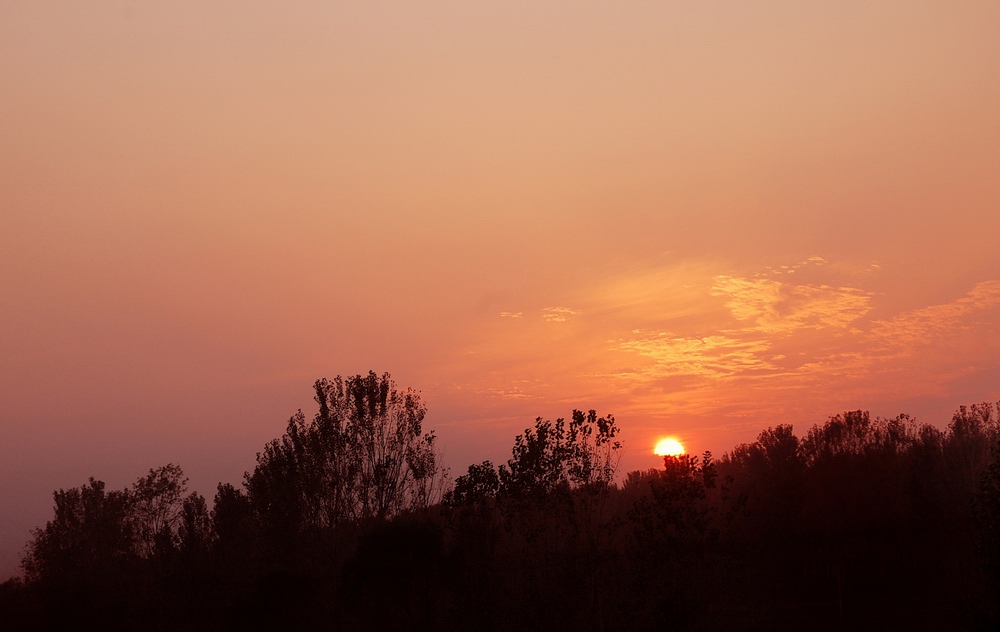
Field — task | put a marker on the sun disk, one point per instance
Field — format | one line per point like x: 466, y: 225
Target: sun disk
x: 668, y: 447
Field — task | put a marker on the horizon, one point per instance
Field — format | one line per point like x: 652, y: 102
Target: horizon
x: 704, y: 220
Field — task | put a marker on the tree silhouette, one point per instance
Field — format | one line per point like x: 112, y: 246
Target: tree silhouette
x: 156, y: 508
x: 363, y: 456
x: 195, y: 531
x: 478, y: 485
x: 864, y: 523
x: 561, y: 455
x: 91, y: 530
x: 987, y: 512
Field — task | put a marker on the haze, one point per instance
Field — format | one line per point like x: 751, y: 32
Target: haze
x: 705, y: 218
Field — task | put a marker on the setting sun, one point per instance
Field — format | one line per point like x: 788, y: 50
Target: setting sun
x: 668, y: 447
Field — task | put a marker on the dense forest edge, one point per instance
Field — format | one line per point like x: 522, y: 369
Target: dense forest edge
x: 349, y: 522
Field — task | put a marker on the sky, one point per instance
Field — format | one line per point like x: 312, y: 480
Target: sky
x: 706, y: 218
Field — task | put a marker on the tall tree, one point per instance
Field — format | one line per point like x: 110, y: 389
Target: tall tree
x: 583, y: 453
x: 157, y: 508
x: 363, y: 456
x: 91, y: 529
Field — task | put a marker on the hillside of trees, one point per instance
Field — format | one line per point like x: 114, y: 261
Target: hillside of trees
x: 348, y: 522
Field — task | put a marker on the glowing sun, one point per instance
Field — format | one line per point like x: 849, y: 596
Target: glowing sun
x: 668, y: 447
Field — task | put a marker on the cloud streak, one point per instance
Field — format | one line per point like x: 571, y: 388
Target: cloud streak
x: 558, y: 314
x: 776, y: 307
x: 690, y: 341
x: 716, y: 357
x: 925, y: 325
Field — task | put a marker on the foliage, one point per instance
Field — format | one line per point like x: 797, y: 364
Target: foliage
x: 93, y: 527
x: 973, y: 432
x: 583, y: 453
x: 863, y: 523
x: 676, y: 509
x: 986, y: 505
x: 363, y: 456
x: 231, y: 516
x: 157, y: 507
x: 90, y: 530
x: 195, y: 530
x: 478, y: 485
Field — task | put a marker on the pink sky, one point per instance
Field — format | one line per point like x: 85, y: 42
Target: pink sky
x: 705, y: 218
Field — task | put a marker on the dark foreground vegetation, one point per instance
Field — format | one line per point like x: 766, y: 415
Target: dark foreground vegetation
x: 346, y: 524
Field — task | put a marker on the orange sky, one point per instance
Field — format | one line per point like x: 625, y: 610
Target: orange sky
x: 703, y: 217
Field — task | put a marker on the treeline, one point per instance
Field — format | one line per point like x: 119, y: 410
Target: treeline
x: 347, y: 522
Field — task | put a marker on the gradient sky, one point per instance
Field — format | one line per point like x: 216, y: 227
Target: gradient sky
x: 703, y: 217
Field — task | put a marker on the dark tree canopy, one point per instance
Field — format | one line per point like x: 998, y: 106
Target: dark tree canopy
x: 364, y: 455
x: 478, y: 485
x: 581, y: 453
x: 91, y: 529
x: 863, y: 523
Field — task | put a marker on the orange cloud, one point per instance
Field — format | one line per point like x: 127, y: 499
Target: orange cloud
x: 924, y: 325
x: 728, y: 350
x: 558, y: 314
x: 717, y: 356
x: 782, y: 307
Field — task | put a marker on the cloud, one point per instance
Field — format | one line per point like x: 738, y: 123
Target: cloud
x: 717, y: 356
x: 792, y: 269
x: 500, y: 393
x: 777, y: 307
x: 511, y: 314
x: 924, y: 325
x: 810, y: 336
x: 690, y: 341
x: 558, y: 314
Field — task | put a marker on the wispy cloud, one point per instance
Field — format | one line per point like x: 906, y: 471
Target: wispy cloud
x: 558, y: 314
x: 505, y: 393
x: 924, y: 325
x: 715, y: 356
x: 777, y: 307
x: 793, y: 268
x: 689, y: 341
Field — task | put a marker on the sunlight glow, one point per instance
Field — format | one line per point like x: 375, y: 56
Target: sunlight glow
x: 668, y: 447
